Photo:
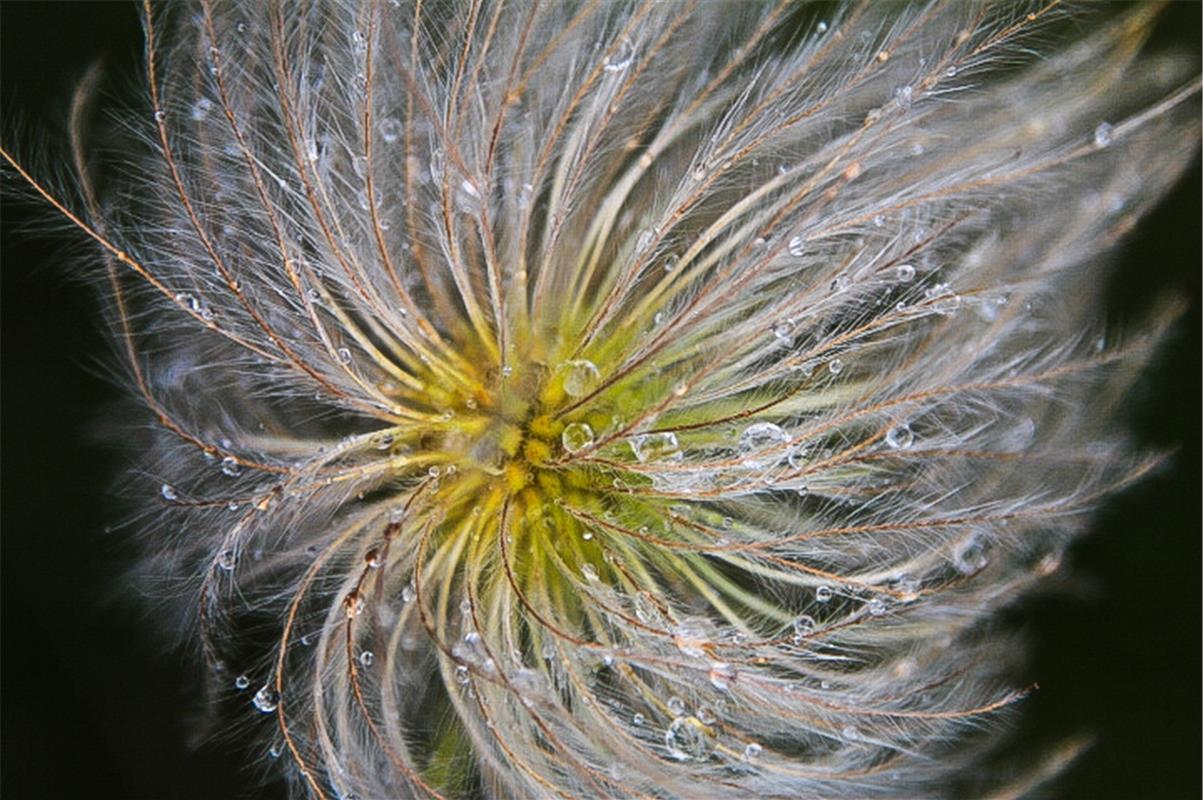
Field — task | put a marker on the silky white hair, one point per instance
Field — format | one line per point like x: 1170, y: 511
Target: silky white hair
x: 627, y: 400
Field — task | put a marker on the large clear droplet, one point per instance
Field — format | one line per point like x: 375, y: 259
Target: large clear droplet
x: 900, y: 437
x: 266, y: 699
x: 686, y: 740
x: 759, y: 438
x: 580, y: 377
x: 576, y: 437
x: 662, y: 446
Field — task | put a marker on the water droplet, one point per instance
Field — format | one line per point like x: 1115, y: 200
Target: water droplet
x: 367, y: 658
x: 353, y: 604
x: 344, y: 355
x: 200, y: 109
x: 390, y: 129
x: 904, y: 273
x: 662, y: 446
x: 461, y: 674
x: 821, y: 27
x: 241, y: 682
x: 589, y: 571
x: 408, y: 593
x: 467, y: 197
x: 797, y: 246
x: 803, y: 627
x: 266, y: 699
x: 904, y: 96
x: 1103, y: 134
x: 721, y: 675
x: 758, y: 438
x: 160, y: 115
x: 638, y: 719
x: 227, y: 560
x: 188, y: 301
x: 752, y: 751
x: 686, y: 739
x: 580, y: 377
x: 835, y: 366
x: 576, y: 437
x: 900, y: 437
x: 823, y: 594
x: 972, y: 556
x: 230, y: 467
x: 168, y: 492
x: 947, y: 305
x: 877, y: 606
x: 372, y: 558
x: 784, y: 331
x: 850, y: 733
x: 676, y: 706
x: 621, y: 59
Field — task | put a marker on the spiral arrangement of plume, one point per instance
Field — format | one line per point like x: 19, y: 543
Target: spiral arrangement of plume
x: 607, y: 399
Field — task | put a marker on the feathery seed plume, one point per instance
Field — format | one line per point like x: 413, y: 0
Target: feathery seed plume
x: 626, y: 399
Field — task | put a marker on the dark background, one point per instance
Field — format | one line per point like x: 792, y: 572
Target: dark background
x: 94, y: 705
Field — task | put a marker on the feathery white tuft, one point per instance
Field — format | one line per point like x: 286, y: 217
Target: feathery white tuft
x: 628, y: 400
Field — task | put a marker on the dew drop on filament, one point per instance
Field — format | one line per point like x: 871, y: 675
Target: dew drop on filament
x: 580, y: 377
x: 266, y: 699
x: 900, y: 437
x: 576, y: 437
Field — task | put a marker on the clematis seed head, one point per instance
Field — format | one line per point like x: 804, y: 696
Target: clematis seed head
x: 626, y: 399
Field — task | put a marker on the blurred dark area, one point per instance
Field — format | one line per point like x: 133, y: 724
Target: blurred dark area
x: 95, y: 704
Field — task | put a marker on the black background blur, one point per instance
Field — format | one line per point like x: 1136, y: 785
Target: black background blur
x: 95, y: 705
